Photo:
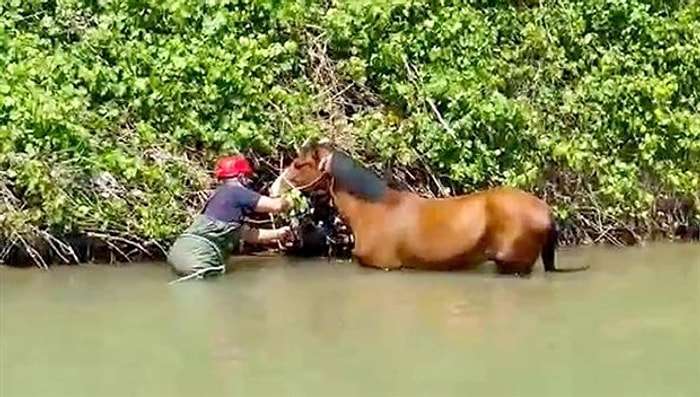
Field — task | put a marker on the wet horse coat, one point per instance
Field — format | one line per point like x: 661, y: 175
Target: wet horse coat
x: 398, y: 229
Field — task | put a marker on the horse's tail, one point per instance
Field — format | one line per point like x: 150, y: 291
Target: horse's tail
x: 549, y: 248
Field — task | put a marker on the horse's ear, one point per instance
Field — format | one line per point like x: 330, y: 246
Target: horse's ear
x: 303, y: 144
x: 316, y: 155
x: 321, y: 145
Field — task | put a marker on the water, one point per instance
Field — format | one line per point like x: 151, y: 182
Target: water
x: 627, y: 327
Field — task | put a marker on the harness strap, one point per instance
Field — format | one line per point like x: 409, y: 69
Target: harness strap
x: 301, y: 188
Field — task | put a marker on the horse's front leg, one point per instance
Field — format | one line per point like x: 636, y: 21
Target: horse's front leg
x: 364, y: 262
x: 379, y: 260
x: 362, y: 258
x: 375, y: 253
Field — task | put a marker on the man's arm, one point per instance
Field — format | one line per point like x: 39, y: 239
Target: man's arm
x: 263, y: 236
x: 272, y: 205
x: 260, y: 203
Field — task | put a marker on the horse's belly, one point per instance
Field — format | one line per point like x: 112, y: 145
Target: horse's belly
x: 445, y: 259
x: 382, y: 260
x: 458, y: 262
x: 451, y: 248
x: 388, y: 256
x: 444, y: 253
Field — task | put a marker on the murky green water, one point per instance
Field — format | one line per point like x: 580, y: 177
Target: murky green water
x: 628, y: 327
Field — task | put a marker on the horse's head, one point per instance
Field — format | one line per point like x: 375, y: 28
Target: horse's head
x: 308, y: 170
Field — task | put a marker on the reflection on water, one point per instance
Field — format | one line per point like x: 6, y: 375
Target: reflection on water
x: 629, y: 326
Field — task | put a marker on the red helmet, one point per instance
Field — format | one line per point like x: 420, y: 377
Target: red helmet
x: 232, y: 166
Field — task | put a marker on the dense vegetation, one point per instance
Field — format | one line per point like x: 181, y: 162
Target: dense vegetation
x: 113, y: 111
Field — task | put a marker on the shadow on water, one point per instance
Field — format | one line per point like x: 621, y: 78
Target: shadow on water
x: 628, y: 326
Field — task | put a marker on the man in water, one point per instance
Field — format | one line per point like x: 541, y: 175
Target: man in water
x: 216, y: 233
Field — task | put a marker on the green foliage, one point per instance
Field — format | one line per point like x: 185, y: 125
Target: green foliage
x: 299, y: 203
x: 300, y: 207
x: 111, y: 112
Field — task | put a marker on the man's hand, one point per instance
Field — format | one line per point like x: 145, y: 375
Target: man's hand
x: 285, y: 203
x: 285, y: 235
x: 267, y: 236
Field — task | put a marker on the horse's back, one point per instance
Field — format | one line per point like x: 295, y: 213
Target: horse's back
x: 498, y: 214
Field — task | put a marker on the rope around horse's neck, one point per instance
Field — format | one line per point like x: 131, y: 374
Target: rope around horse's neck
x: 279, y: 243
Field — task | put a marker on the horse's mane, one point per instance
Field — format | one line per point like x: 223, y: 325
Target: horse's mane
x: 356, y: 179
x: 349, y: 174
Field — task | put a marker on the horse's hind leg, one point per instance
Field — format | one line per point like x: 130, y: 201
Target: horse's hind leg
x: 522, y: 269
x: 517, y: 258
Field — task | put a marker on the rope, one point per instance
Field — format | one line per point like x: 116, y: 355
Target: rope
x: 199, y: 274
x: 279, y: 244
x: 300, y: 189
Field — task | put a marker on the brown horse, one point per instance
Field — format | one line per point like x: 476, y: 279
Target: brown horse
x: 397, y: 229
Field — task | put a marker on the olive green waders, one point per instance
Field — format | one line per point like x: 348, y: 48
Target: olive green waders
x: 204, y: 247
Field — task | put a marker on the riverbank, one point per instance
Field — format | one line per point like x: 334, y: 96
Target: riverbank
x: 104, y: 249
x: 112, y: 115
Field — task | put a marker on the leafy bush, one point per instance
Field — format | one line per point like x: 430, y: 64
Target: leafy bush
x: 111, y: 112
